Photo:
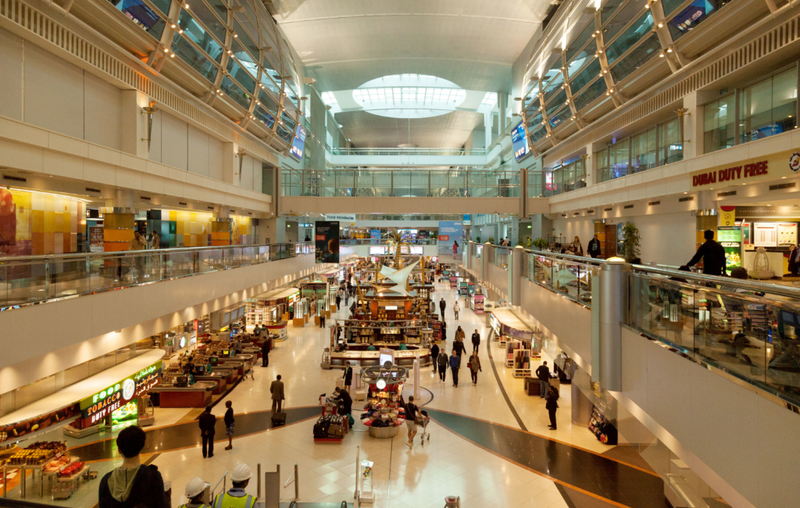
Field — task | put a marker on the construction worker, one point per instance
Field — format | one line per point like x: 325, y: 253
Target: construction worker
x: 237, y: 497
x: 195, y: 490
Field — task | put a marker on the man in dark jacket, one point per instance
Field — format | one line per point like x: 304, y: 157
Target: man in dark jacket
x: 265, y: 353
x: 543, y: 374
x: 434, y: 356
x: 594, y: 247
x: 458, y: 347
x: 443, y: 362
x: 347, y: 400
x: 442, y: 306
x: 132, y: 484
x: 551, y: 405
x: 713, y: 255
x: 208, y: 423
x: 476, y: 340
x: 230, y: 422
x: 348, y: 376
x: 455, y: 364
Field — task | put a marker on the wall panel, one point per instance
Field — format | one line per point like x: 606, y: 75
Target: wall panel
x: 11, y: 72
x: 174, y: 139
x: 103, y: 113
x: 53, y: 93
x: 198, y: 152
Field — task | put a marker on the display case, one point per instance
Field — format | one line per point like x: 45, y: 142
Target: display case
x: 522, y: 363
x: 476, y: 303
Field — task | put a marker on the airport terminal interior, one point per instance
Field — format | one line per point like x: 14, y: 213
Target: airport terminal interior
x: 399, y: 254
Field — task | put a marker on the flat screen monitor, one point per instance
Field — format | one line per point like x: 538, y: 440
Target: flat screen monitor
x: 226, y: 318
x: 299, y: 143
x: 519, y: 141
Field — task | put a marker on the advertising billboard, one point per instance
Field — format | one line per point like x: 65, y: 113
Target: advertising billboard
x: 450, y: 231
x: 519, y: 141
x: 326, y: 239
x: 299, y: 143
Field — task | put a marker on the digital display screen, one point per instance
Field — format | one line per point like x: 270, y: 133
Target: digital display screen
x: 519, y: 141
x: 299, y: 143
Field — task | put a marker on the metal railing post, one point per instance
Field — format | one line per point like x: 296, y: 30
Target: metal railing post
x: 258, y: 481
x: 296, y: 483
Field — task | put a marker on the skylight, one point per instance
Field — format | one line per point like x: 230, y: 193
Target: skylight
x: 409, y: 96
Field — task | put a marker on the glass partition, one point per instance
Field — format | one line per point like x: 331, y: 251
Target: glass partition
x: 769, y: 107
x: 630, y: 37
x: 192, y: 56
x: 719, y: 124
x: 636, y: 58
x: 590, y: 93
x: 570, y: 276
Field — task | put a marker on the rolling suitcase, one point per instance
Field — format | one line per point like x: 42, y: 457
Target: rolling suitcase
x: 278, y: 419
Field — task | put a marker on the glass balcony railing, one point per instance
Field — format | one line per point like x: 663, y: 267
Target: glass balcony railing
x: 400, y: 183
x: 376, y: 241
x: 567, y: 275
x: 448, y: 152
x: 35, y: 279
x: 750, y: 330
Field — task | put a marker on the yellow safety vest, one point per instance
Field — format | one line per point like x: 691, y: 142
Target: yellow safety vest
x: 200, y: 506
x: 228, y: 501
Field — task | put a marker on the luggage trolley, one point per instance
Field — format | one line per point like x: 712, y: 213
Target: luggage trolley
x: 425, y: 421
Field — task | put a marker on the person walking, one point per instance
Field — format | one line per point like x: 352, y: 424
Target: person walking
x: 444, y: 333
x: 208, y: 423
x: 593, y: 249
x: 443, y: 362
x: 460, y: 335
x: 543, y: 374
x: 713, y: 255
x: 435, y: 356
x: 229, y: 424
x: 132, y: 483
x: 456, y: 308
x: 576, y: 246
x: 348, y: 376
x: 276, y: 389
x: 455, y: 364
x: 265, y: 352
x: 442, y: 306
x: 474, y: 367
x: 411, y: 420
x: 458, y: 346
x: 338, y: 301
x: 476, y: 340
x: 236, y: 497
x: 194, y: 493
x: 551, y: 405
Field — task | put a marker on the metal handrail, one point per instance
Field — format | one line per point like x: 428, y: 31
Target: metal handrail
x: 82, y: 255
x: 408, y: 151
x: 221, y: 480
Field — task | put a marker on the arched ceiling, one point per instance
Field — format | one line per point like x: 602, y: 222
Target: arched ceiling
x: 345, y: 43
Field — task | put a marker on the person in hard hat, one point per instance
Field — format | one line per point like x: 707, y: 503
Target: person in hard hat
x: 194, y: 492
x: 236, y: 497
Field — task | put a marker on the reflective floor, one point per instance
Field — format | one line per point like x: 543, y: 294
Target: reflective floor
x: 477, y: 449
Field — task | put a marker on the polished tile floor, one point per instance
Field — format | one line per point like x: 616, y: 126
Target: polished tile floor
x: 476, y: 449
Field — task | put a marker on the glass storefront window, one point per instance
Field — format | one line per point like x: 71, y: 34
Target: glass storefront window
x: 719, y: 124
x: 264, y: 116
x: 618, y: 158
x: 601, y: 163
x: 198, y: 34
x: 643, y: 151
x: 235, y: 92
x: 556, y: 102
x: 245, y: 39
x: 630, y: 37
x: 592, y: 92
x: 636, y: 58
x: 630, y: 11
x: 768, y: 107
x: 691, y: 16
x: 142, y: 15
x: 576, y: 48
x: 669, y: 141
x: 609, y: 8
x: 189, y: 54
x: 211, y: 22
x: 586, y: 75
x: 162, y: 5
x: 241, y: 75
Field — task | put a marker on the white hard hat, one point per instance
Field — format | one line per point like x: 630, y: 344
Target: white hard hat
x: 241, y: 473
x: 194, y: 487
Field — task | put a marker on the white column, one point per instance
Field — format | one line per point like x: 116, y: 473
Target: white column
x: 487, y: 128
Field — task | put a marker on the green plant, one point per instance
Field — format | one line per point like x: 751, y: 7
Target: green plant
x: 630, y: 242
x: 540, y: 244
x: 491, y: 240
x: 478, y: 239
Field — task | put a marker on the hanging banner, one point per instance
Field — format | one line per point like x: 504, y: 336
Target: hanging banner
x: 374, y: 236
x: 326, y: 239
x: 449, y: 232
x: 96, y: 239
x: 341, y: 217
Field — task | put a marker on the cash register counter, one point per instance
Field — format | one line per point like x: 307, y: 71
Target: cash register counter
x: 404, y: 358
x: 219, y: 377
x: 196, y: 395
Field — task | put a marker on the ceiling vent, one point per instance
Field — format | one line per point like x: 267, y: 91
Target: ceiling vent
x: 14, y: 178
x: 782, y: 186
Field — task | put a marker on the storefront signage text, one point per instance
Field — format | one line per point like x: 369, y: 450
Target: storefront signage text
x: 730, y: 174
x: 105, y: 402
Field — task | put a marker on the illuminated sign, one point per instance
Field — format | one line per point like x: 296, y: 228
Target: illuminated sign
x: 519, y: 141
x: 105, y: 402
x: 299, y: 143
x: 730, y: 174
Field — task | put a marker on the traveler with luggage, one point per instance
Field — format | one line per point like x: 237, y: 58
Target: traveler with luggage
x: 236, y: 497
x: 276, y: 389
